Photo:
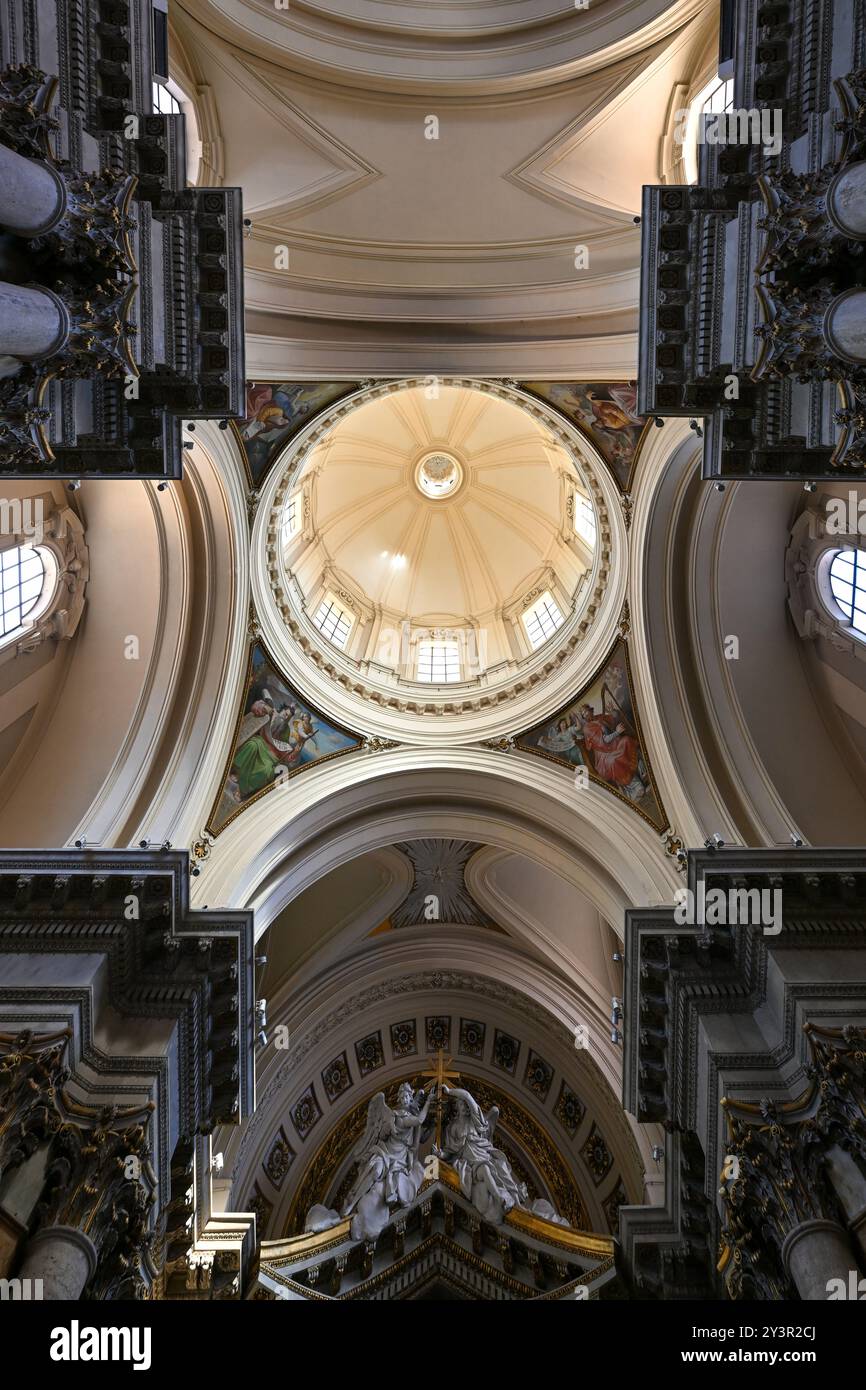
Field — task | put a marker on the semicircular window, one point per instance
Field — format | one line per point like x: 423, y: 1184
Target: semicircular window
x: 24, y: 583
x: 848, y: 586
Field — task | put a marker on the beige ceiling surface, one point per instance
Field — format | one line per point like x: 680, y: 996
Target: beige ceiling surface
x: 469, y: 45
x: 463, y: 555
x: 516, y: 221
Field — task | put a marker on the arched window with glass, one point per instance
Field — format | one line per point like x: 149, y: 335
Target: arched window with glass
x: 847, y: 581
x: 27, y: 577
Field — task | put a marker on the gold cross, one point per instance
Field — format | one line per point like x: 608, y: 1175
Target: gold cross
x: 439, y: 1074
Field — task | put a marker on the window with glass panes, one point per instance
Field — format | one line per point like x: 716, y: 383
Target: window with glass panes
x: 165, y: 103
x: 584, y: 518
x: 290, y: 518
x: 848, y: 586
x: 542, y: 620
x: 438, y: 661
x: 333, y: 621
x: 22, y: 575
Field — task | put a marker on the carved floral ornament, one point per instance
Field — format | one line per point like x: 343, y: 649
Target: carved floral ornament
x: 777, y: 1174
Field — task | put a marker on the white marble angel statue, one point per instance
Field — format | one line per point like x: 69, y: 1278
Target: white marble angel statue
x: 389, y: 1171
x: 484, y: 1171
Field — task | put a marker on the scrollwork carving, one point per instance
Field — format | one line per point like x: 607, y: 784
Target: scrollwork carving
x: 98, y: 1176
x: 780, y: 1174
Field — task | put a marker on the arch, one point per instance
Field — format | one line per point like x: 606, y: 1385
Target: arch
x: 401, y: 976
x: 378, y: 45
x: 164, y: 643
x: 284, y: 842
x: 706, y: 567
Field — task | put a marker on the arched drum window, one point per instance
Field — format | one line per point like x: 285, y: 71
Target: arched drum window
x: 27, y: 581
x: 848, y: 586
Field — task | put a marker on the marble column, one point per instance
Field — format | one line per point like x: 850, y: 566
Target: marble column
x: 845, y: 326
x: 34, y: 323
x: 63, y: 1258
x: 32, y: 195
x: 846, y: 200
x: 850, y: 1185
x: 814, y: 1253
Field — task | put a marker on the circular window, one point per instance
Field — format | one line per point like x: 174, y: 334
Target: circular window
x: 848, y: 586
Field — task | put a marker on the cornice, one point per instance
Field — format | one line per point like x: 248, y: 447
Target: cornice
x: 457, y: 58
x: 596, y: 357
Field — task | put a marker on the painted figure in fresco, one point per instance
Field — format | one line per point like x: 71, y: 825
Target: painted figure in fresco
x: 607, y: 410
x: 266, y: 424
x: 614, y: 752
x: 275, y: 412
x: 565, y: 739
x: 484, y: 1171
x: 616, y: 409
x: 269, y: 739
x: 278, y: 735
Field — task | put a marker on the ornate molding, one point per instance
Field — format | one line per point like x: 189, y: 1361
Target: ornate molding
x: 98, y: 1176
x: 783, y: 1179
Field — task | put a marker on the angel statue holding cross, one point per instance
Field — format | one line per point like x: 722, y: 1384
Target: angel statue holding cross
x: 390, y: 1173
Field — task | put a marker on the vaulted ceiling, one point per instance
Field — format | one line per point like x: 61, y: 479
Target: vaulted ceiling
x: 429, y: 213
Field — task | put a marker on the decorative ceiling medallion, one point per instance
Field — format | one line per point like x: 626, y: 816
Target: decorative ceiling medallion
x: 597, y: 735
x: 439, y: 892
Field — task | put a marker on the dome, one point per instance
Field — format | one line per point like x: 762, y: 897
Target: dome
x: 436, y: 543
x: 441, y: 511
